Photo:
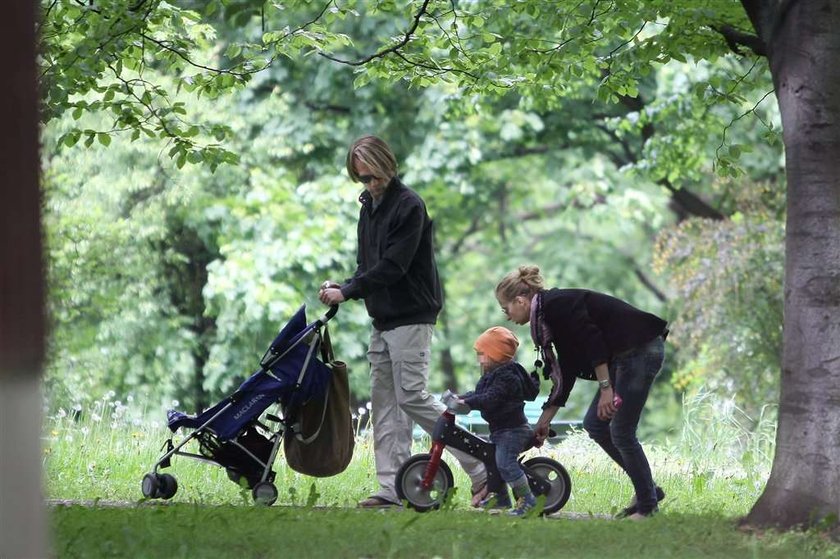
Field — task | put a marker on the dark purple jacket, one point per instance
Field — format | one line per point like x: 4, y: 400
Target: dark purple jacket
x: 500, y: 396
x: 589, y: 328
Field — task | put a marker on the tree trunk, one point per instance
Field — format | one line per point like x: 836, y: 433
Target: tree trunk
x: 447, y: 363
x: 804, y: 54
x: 186, y: 279
x: 23, y: 525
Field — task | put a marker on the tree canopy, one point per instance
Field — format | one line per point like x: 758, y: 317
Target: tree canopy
x: 573, y: 162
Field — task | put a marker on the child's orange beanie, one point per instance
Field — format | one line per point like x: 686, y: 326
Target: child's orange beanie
x: 498, y: 344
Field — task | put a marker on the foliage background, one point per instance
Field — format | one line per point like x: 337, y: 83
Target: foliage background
x: 195, y: 196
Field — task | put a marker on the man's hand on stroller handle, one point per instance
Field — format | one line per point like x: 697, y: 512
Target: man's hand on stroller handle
x: 330, y: 294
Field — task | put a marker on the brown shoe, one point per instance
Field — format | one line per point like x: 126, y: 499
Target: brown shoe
x: 479, y: 495
x: 376, y: 502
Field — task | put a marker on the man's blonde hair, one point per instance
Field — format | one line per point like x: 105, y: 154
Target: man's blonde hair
x: 374, y: 153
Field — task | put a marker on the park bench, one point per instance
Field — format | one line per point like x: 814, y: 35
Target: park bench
x: 476, y: 424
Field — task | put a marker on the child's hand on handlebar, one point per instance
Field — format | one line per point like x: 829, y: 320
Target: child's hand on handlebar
x: 454, y: 403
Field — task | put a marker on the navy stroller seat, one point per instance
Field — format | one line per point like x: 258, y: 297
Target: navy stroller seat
x: 230, y: 433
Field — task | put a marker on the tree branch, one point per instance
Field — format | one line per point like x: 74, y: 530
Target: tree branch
x: 684, y: 202
x: 688, y: 203
x: 327, y: 107
x: 386, y: 51
x: 435, y: 69
x: 762, y: 15
x: 739, y: 117
x: 637, y: 269
x: 735, y: 39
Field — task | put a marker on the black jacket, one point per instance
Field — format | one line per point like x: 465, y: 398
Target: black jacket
x: 589, y: 328
x: 396, y: 273
x: 500, y: 396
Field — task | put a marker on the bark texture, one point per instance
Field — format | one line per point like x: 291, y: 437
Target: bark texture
x: 804, y: 54
x: 22, y: 516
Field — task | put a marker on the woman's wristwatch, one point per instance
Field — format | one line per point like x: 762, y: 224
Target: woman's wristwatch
x: 604, y: 384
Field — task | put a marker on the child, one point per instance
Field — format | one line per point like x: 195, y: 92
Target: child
x: 500, y: 397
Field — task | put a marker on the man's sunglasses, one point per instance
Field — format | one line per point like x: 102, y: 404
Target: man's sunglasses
x: 366, y: 179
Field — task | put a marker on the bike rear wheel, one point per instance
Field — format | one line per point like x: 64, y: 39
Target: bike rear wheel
x: 553, y: 473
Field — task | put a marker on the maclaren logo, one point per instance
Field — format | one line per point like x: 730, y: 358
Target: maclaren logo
x: 249, y: 405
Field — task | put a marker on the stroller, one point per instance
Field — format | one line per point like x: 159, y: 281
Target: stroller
x: 233, y: 433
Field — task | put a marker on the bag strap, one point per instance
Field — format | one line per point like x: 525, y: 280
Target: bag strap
x: 327, y: 354
x: 309, y: 439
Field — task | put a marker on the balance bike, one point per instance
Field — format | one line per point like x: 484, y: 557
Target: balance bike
x: 424, y: 481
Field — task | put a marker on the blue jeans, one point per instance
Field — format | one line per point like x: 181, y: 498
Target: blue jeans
x: 632, y: 374
x: 509, y: 445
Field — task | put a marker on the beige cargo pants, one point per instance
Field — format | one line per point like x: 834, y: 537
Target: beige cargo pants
x: 399, y: 373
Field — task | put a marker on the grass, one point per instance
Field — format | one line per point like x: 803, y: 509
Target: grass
x: 193, y: 531
x: 712, y: 475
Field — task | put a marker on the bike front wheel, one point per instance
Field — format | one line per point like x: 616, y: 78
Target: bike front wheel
x: 410, y: 483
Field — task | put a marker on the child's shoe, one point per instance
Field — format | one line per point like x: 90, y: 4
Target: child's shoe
x: 523, y: 505
x: 495, y: 501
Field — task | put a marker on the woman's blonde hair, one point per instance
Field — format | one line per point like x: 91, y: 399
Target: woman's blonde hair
x: 374, y: 153
x: 524, y: 281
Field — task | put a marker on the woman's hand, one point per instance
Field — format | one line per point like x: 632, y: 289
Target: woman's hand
x: 541, y: 430
x: 543, y: 426
x: 606, y: 404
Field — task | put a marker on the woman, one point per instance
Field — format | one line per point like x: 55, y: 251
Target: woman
x: 599, y: 338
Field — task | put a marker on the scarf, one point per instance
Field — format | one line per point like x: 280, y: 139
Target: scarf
x: 542, y: 338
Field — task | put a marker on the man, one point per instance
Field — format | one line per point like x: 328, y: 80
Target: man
x: 397, y: 277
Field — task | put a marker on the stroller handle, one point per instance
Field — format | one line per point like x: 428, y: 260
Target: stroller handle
x: 329, y: 314
x: 273, y: 355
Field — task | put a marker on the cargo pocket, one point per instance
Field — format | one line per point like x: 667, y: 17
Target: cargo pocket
x: 413, y: 368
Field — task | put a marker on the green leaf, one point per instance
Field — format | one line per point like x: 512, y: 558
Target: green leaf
x: 71, y: 138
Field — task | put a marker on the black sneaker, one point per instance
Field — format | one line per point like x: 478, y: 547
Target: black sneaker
x: 642, y: 515
x: 633, y: 508
x: 495, y: 501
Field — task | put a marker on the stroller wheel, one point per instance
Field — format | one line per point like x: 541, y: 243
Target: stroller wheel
x: 410, y: 483
x: 150, y: 486
x: 265, y: 493
x: 168, y: 486
x: 541, y: 470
